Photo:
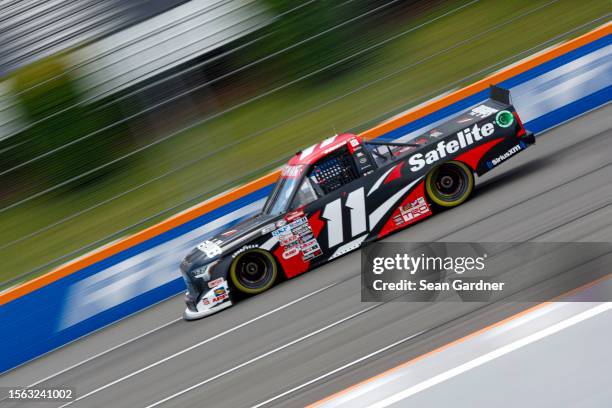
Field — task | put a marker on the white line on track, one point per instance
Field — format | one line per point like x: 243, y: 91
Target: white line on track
x: 337, y: 370
x: 262, y: 356
x: 87, y: 360
x: 485, y: 358
x: 208, y: 340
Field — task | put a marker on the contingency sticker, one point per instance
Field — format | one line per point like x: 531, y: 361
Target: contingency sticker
x: 297, y: 237
x: 410, y: 212
x: 218, y: 295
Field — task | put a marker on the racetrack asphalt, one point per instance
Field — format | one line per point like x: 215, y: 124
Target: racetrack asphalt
x: 308, y: 327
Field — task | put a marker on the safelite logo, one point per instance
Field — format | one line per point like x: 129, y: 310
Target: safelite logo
x: 443, y: 148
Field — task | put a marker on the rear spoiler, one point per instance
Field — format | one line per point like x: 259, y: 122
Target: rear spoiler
x: 500, y: 95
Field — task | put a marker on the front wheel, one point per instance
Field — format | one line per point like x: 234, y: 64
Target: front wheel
x: 253, y: 271
x: 449, y: 184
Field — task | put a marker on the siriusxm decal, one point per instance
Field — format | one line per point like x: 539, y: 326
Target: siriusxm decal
x: 511, y: 152
x: 443, y: 148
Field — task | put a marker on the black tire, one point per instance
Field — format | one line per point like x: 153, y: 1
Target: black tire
x: 253, y: 271
x: 449, y: 184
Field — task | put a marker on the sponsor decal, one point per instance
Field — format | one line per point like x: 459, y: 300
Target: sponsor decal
x: 504, y: 118
x: 310, y: 246
x: 243, y: 249
x: 294, y: 215
x: 284, y: 230
x: 292, y: 171
x: 482, y: 111
x: 219, y: 298
x: 230, y: 232
x: 281, y: 231
x: 267, y: 229
x: 411, y: 211
x: 503, y: 157
x: 412, y: 205
x: 297, y: 237
x: 203, y: 271
x: 435, y: 133
x: 464, y: 138
x: 364, y: 165
x: 287, y: 239
x: 218, y: 295
x: 312, y: 255
x: 210, y: 248
x: 299, y: 221
x: 311, y: 249
x: 336, y: 147
x: 307, y: 236
x: 291, y: 252
x: 328, y: 141
x: 216, y: 282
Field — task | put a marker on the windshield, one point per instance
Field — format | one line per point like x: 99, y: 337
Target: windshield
x: 278, y: 201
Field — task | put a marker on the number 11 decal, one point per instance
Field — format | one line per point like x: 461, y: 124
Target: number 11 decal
x: 355, y: 202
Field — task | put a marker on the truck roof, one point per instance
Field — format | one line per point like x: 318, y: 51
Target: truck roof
x: 313, y: 153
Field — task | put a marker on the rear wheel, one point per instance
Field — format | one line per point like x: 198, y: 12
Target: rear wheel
x: 449, y: 184
x: 253, y: 271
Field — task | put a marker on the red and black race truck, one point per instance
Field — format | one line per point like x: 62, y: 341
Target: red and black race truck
x: 333, y: 197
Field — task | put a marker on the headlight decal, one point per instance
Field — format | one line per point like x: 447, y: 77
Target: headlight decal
x: 203, y: 272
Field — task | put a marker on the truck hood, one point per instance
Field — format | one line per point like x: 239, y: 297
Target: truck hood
x: 230, y: 239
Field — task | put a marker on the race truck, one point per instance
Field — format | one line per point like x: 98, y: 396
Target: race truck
x: 344, y: 192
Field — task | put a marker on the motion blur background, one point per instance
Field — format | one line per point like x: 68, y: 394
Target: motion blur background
x: 116, y: 114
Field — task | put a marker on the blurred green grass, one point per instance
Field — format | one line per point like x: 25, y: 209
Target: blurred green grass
x: 427, y: 61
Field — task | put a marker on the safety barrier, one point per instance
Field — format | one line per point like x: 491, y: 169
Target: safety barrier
x: 128, y: 276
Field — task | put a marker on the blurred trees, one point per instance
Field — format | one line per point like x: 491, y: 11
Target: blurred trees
x: 315, y: 41
x: 315, y: 36
x: 50, y: 100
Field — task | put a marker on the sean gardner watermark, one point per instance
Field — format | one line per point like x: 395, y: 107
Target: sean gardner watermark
x: 480, y: 272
